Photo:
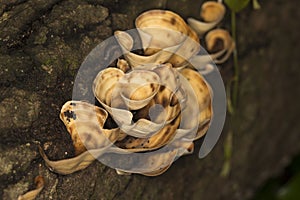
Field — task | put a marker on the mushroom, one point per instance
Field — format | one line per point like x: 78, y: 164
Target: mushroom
x: 139, y: 90
x: 212, y: 13
x: 227, y: 43
x: 165, y: 38
x: 85, y: 124
x: 160, y: 104
x: 39, y: 181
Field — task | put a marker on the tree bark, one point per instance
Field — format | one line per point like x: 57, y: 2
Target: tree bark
x: 43, y: 43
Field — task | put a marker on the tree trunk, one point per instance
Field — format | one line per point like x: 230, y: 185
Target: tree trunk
x: 43, y: 43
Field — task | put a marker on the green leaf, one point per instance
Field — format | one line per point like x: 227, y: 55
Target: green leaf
x: 291, y: 190
x: 256, y: 5
x: 227, y: 155
x: 237, y: 5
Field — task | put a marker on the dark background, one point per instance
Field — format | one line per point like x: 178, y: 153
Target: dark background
x: 43, y: 43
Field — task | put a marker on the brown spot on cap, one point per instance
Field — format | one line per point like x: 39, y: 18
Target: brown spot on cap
x: 69, y: 115
x: 165, y: 102
x: 161, y: 88
x: 152, y: 87
x: 168, y: 131
x: 173, y: 21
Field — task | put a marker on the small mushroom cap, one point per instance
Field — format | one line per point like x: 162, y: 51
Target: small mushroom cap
x: 84, y: 123
x: 138, y: 87
x: 161, y: 29
x: 165, y: 29
x: 227, y: 48
x: 136, y: 60
x: 39, y: 181
x: 212, y: 11
x: 104, y: 84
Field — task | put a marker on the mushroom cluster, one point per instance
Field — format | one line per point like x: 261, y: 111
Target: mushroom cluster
x: 152, y: 105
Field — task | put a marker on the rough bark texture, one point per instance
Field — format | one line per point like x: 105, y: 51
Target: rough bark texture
x: 42, y: 44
